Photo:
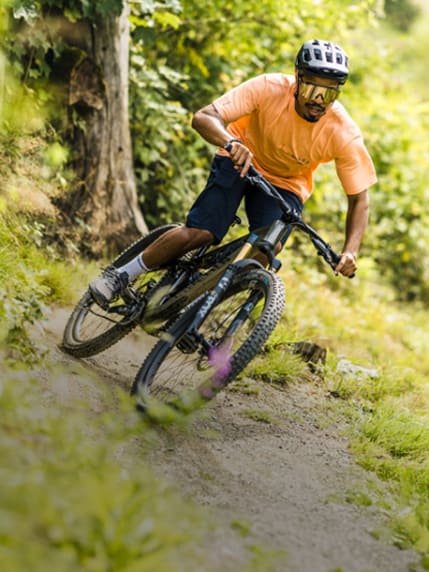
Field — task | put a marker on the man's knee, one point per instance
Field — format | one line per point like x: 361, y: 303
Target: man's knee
x: 198, y: 236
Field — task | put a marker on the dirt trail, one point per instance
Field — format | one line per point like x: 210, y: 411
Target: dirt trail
x: 282, y: 479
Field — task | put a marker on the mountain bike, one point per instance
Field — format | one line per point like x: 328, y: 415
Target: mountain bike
x: 222, y: 329
x: 212, y: 310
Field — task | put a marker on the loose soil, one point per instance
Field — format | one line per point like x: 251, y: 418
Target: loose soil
x: 270, y: 465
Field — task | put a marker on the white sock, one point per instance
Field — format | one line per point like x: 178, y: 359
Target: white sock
x: 134, y: 267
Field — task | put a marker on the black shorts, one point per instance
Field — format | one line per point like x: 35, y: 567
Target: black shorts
x: 215, y: 207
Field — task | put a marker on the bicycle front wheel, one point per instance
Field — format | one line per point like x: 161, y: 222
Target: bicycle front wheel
x: 91, y: 329
x: 186, y: 367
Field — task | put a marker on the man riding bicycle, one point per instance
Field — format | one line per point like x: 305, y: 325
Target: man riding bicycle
x: 285, y: 126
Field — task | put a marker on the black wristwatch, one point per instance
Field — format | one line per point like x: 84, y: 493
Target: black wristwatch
x: 227, y: 145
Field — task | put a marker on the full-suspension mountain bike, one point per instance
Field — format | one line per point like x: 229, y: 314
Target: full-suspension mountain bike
x: 212, y: 309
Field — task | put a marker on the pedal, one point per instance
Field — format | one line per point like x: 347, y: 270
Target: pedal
x: 130, y: 296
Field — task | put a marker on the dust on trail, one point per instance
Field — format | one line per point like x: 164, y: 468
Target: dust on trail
x: 270, y: 464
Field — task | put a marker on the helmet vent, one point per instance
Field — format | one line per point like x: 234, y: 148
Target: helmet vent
x: 323, y: 58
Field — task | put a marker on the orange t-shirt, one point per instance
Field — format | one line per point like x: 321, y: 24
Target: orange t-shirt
x: 286, y: 147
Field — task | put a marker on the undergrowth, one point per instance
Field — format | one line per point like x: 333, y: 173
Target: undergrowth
x: 76, y: 491
x: 31, y: 276
x: 66, y: 500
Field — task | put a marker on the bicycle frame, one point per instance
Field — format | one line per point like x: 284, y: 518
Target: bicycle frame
x: 263, y: 241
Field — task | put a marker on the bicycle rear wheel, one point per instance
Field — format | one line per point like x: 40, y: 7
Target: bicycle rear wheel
x: 185, y: 369
x: 90, y: 329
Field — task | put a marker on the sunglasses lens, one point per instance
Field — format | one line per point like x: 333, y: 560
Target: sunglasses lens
x: 314, y: 91
x: 331, y: 95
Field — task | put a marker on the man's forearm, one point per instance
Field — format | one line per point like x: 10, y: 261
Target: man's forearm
x: 211, y: 126
x: 356, y: 223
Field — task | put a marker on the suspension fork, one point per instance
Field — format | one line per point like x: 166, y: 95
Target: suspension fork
x: 243, y: 314
x: 224, y: 282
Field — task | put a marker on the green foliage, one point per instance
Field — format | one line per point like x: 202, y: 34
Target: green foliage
x: 29, y: 277
x: 404, y: 433
x: 219, y: 44
x: 166, y: 151
x: 30, y: 10
x: 278, y: 364
x: 400, y: 219
x: 401, y: 13
x: 185, y: 55
x: 36, y: 48
x: 70, y: 496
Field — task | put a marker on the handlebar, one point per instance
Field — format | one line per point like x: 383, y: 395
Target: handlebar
x: 292, y: 216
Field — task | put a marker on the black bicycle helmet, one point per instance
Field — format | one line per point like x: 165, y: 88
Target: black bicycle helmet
x: 323, y: 59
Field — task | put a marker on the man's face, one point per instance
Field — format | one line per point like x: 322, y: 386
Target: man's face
x: 314, y: 96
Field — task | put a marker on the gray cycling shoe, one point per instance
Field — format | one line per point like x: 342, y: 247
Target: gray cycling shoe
x: 108, y: 286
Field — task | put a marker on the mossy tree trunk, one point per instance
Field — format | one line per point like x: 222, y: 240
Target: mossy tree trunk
x: 106, y: 200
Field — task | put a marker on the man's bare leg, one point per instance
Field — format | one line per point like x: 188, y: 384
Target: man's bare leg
x: 173, y: 244
x: 169, y: 246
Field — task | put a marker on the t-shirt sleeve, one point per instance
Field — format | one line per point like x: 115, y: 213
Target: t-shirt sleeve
x: 354, y: 167
x: 240, y: 100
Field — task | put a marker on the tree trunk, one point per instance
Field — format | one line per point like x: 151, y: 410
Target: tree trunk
x: 107, y: 199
